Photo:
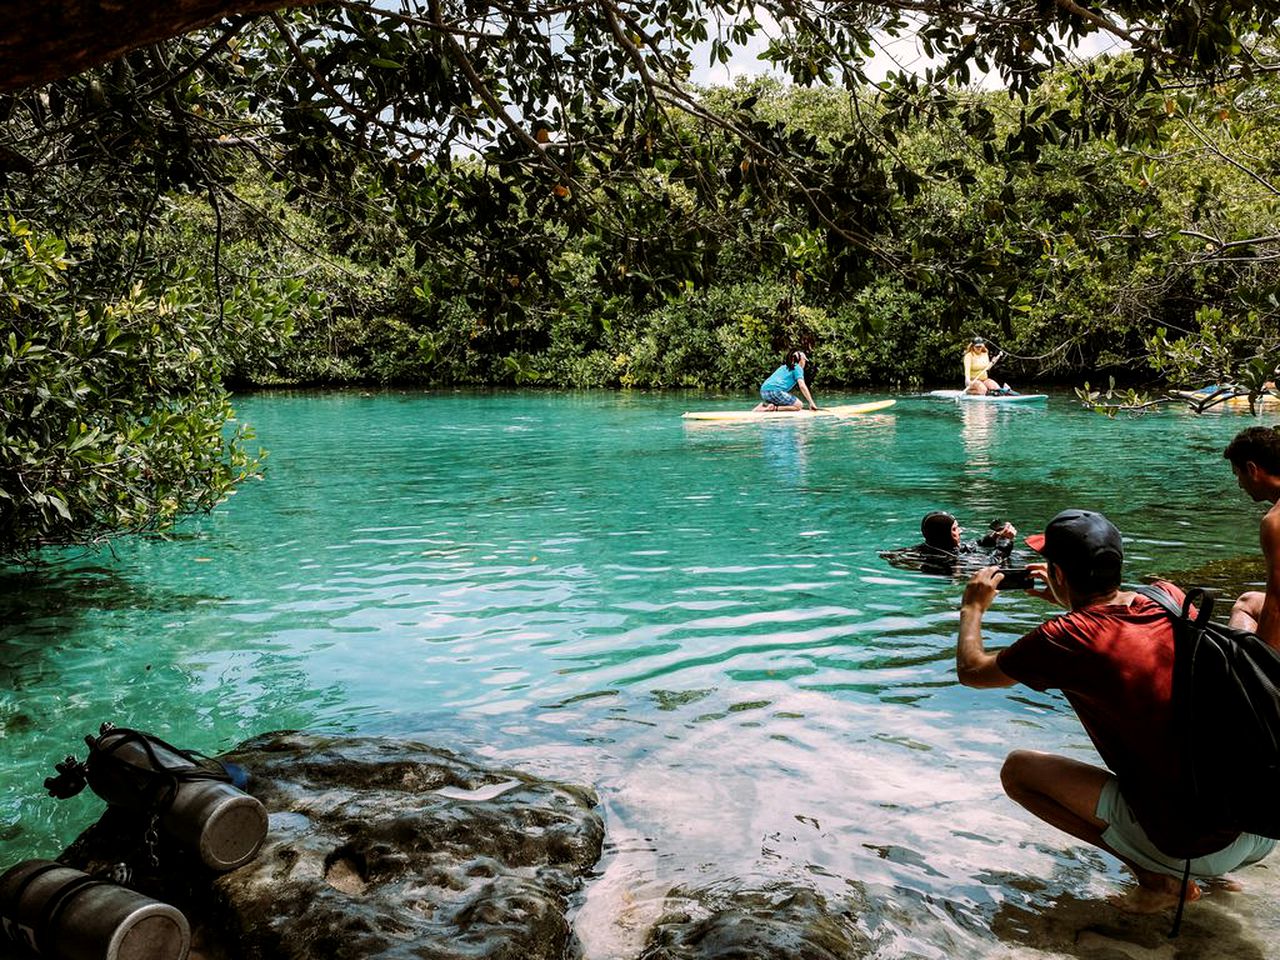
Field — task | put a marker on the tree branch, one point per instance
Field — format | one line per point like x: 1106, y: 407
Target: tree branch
x: 1221, y: 154
x: 482, y: 90
x: 43, y: 42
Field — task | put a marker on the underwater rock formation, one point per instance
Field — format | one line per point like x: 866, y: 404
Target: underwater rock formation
x: 780, y: 921
x: 377, y: 849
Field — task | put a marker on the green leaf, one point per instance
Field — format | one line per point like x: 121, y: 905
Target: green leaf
x: 59, y: 504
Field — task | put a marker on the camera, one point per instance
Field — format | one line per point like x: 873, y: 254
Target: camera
x: 1016, y: 578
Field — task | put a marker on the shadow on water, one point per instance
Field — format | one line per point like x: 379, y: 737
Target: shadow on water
x: 83, y: 644
x: 45, y: 598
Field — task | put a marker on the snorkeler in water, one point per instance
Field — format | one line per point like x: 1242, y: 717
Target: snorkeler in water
x: 943, y: 533
x: 944, y: 549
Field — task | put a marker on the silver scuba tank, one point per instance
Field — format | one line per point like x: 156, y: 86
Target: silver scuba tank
x: 200, y: 810
x: 62, y: 913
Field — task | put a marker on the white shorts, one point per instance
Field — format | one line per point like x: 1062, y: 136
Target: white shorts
x: 1126, y: 837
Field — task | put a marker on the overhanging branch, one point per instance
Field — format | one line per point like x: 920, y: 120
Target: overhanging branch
x: 43, y: 42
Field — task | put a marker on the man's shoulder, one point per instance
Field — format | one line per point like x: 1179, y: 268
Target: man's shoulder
x: 1169, y: 587
x: 1091, y: 620
x: 1271, y: 524
x: 1058, y: 624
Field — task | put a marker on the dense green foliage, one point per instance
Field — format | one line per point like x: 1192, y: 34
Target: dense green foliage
x: 1090, y: 258
x: 114, y: 412
x: 348, y: 195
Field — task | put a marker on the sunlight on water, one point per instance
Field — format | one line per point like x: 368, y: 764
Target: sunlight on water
x: 692, y: 617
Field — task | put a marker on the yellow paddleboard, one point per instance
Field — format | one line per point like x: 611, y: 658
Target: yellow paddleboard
x: 848, y: 410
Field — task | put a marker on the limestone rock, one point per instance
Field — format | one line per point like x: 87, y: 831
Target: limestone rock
x: 767, y: 923
x: 379, y: 849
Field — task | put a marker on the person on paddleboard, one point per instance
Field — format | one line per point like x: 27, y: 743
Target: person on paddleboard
x: 774, y: 393
x: 977, y: 361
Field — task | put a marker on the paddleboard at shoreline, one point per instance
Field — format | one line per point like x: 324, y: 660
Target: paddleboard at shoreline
x: 1240, y: 402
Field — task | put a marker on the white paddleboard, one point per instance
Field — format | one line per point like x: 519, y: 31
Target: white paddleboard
x: 988, y: 398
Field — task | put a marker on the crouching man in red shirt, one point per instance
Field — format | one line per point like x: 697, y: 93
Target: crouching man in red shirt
x: 1111, y: 655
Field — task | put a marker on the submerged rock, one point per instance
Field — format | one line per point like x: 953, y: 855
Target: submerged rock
x: 378, y: 849
x: 1230, y: 576
x: 769, y: 923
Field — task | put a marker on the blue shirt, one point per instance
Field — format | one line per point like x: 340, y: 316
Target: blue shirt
x: 784, y: 379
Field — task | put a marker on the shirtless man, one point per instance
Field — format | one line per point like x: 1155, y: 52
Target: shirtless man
x: 1255, y: 460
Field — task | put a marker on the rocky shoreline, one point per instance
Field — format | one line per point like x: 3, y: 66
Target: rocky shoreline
x: 377, y: 848
x: 390, y: 849
x: 394, y: 849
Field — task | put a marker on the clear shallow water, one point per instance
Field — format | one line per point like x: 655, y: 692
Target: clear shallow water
x: 691, y: 617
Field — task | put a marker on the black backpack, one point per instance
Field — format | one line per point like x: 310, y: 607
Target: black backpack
x: 1226, y: 710
x: 1226, y: 714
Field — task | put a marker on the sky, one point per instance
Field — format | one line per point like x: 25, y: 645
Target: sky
x: 893, y: 54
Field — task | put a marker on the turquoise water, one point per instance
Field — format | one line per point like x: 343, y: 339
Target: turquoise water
x: 691, y: 617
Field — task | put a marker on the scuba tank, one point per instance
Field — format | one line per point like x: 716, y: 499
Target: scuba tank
x: 62, y: 913
x: 191, y: 796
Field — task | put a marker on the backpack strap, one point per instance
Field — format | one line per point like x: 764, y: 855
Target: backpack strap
x: 1202, y: 598
x: 1182, y: 901
x: 1152, y: 592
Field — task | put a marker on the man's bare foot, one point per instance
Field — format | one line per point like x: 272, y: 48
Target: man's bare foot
x: 1223, y: 885
x: 1154, y: 899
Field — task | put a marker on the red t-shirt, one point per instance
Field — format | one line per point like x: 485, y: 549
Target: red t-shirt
x: 1114, y: 663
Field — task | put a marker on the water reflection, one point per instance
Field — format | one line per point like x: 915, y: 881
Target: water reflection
x: 37, y: 597
x: 902, y: 822
x: 977, y: 422
x: 785, y: 451
x: 1063, y: 924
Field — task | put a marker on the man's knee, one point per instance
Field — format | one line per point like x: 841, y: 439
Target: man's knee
x: 1247, y: 609
x: 1250, y: 602
x: 1019, y: 772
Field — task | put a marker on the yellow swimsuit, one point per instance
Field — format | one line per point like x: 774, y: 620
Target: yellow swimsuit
x: 975, y: 366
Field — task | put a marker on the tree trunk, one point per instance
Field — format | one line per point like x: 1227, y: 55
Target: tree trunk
x: 46, y: 40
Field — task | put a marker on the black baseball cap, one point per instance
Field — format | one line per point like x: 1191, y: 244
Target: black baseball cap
x: 977, y: 342
x: 1080, y: 541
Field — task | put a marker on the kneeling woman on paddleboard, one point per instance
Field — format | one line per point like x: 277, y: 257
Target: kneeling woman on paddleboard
x: 789, y: 376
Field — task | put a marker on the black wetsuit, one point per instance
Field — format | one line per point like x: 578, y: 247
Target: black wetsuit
x: 967, y: 557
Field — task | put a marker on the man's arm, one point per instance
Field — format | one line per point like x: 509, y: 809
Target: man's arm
x: 974, y: 666
x: 1269, y: 619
